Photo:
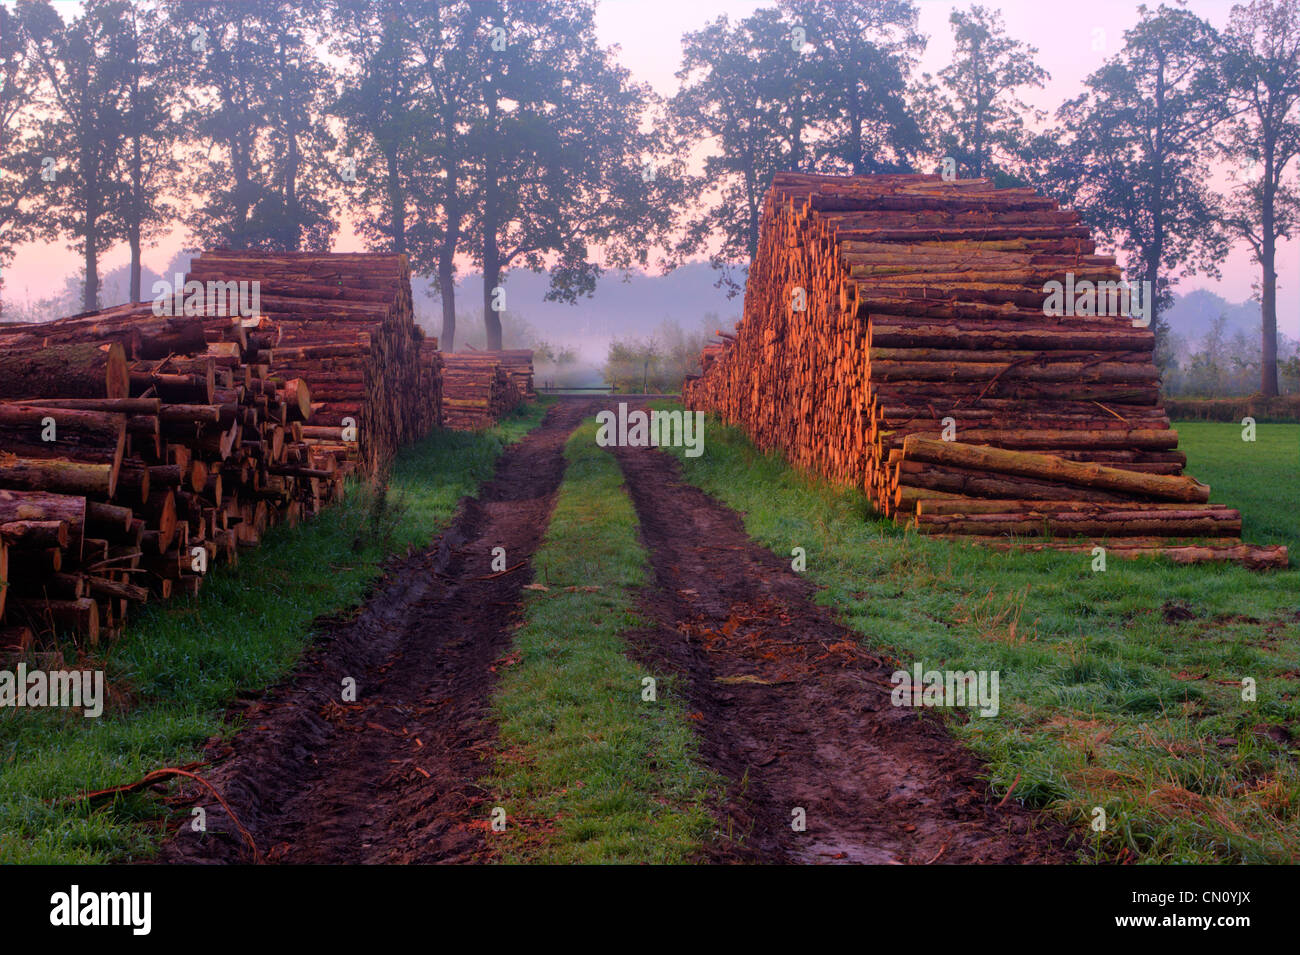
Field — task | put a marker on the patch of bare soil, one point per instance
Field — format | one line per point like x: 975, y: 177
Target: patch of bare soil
x: 393, y: 777
x: 796, y: 715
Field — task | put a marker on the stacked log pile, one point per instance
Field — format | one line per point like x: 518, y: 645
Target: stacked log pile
x: 477, y: 390
x: 895, y: 337
x: 345, y: 324
x: 518, y: 363
x: 431, y: 371
x: 135, y: 454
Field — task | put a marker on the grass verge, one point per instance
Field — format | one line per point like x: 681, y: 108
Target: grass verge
x: 1120, y: 689
x: 588, y: 771
x: 181, y: 663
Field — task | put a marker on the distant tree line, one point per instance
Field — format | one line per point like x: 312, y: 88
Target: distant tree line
x: 1224, y: 362
x: 502, y: 133
x: 657, y: 363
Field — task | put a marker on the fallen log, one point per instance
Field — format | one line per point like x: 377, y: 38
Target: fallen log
x: 1050, y: 468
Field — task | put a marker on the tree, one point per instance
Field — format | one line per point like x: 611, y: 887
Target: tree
x: 149, y: 168
x: 19, y: 158
x: 558, y: 154
x: 297, y: 208
x: 860, y: 59
x: 258, y: 104
x: 447, y: 52
x: 631, y: 365
x: 805, y: 86
x: 1262, y: 43
x: 409, y: 102
x: 505, y: 127
x: 657, y: 364
x: 224, y: 57
x: 984, y: 127
x: 83, y: 64
x: 383, y: 103
x: 1136, y: 150
x: 743, y: 88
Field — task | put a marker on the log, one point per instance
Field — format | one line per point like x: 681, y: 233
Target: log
x: 37, y: 431
x: 80, y: 616
x: 1252, y: 556
x: 30, y: 535
x: 56, y: 475
x: 81, y: 370
x: 1050, y: 468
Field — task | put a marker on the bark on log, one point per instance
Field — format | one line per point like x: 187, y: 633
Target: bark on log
x: 70, y: 370
x: 1048, y: 467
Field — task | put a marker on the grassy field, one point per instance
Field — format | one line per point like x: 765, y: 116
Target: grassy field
x: 1120, y: 690
x: 180, y: 663
x: 588, y: 771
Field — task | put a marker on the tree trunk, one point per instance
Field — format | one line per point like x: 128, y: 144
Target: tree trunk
x: 447, y: 282
x: 90, y: 295
x: 57, y: 476
x: 396, y: 200
x: 491, y: 251
x: 1052, y: 425
x: 44, y: 506
x: 133, y: 238
x: 135, y: 225
x: 1049, y: 467
x: 491, y: 282
x: 1268, y: 385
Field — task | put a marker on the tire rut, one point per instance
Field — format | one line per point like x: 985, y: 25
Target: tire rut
x: 393, y: 777
x: 795, y: 714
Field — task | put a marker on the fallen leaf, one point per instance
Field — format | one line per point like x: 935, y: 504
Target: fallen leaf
x: 745, y: 678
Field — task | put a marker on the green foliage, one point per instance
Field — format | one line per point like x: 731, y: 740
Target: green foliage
x: 1225, y: 366
x: 657, y: 364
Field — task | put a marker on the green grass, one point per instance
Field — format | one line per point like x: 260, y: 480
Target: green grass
x: 180, y: 663
x: 1103, y: 701
x: 1260, y: 478
x: 588, y: 772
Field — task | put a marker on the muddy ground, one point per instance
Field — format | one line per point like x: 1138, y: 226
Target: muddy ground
x: 796, y: 715
x: 393, y: 777
x: 788, y: 708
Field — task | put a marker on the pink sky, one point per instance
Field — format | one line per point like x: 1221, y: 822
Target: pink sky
x: 649, y: 35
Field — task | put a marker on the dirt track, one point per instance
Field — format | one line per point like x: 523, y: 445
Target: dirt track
x: 878, y: 783
x: 394, y: 777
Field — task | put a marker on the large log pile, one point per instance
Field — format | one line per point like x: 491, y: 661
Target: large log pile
x: 345, y: 324
x: 477, y: 390
x: 136, y: 452
x: 895, y: 337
